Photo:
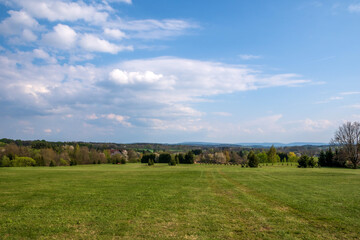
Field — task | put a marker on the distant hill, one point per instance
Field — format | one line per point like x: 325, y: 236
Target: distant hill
x: 265, y: 144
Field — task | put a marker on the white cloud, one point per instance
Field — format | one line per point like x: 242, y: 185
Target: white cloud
x: 47, y: 130
x: 63, y: 11
x: 63, y: 37
x: 17, y: 23
x: 123, y: 77
x: 249, y: 57
x: 28, y: 35
x: 94, y: 44
x: 124, y: 1
x: 114, y: 33
x: 355, y: 8
x: 315, y: 125
x: 118, y: 118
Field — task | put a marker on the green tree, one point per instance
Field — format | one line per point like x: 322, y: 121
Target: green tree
x: 303, y: 161
x: 272, y: 156
x: 253, y: 160
x: 322, y: 159
x: 263, y: 158
x: 164, y: 158
x: 189, y: 158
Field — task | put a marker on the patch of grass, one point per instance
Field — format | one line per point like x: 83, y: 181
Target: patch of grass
x: 135, y: 201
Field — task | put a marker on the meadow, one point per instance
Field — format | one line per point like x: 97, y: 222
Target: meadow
x: 135, y: 201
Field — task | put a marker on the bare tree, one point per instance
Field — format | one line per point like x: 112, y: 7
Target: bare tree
x: 347, y: 137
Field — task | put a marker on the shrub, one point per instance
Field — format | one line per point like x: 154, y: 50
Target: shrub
x: 122, y: 161
x: 151, y: 162
x: 63, y: 162
x: 172, y: 162
x: 51, y: 164
x: 311, y: 162
x: 5, y: 162
x: 23, y: 162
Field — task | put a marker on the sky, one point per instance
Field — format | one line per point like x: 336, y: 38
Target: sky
x: 171, y: 71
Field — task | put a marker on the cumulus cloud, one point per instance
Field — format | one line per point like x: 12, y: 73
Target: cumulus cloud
x: 94, y: 44
x: 63, y: 37
x: 114, y: 33
x: 18, y: 22
x: 123, y: 77
x: 63, y: 11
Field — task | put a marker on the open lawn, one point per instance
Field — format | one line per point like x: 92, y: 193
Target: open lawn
x: 135, y: 201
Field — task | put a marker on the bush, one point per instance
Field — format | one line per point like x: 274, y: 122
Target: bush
x: 63, y: 162
x: 311, y: 162
x: 51, y: 164
x: 151, y: 162
x: 122, y: 161
x: 5, y: 162
x: 23, y: 162
x: 172, y: 162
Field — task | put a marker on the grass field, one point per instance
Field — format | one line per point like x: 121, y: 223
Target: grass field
x: 135, y: 201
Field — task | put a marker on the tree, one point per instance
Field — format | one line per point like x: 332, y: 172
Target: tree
x: 347, y: 138
x: 189, y: 157
x: 303, y: 161
x: 329, y: 157
x: 322, y: 159
x: 263, y: 158
x: 164, y: 158
x: 292, y: 157
x: 181, y: 158
x: 272, y: 156
x: 253, y: 160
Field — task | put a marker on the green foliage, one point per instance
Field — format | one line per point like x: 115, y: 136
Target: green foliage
x: 189, y: 158
x: 272, y: 156
x: 172, y: 162
x: 164, y: 158
x: 122, y: 161
x: 150, y: 162
x: 311, y: 162
x: 63, y: 162
x: 253, y: 160
x: 51, y: 164
x: 322, y: 159
x: 5, y: 162
x: 303, y: 161
x: 197, y: 151
x: 23, y: 162
x: 147, y: 157
x: 262, y: 156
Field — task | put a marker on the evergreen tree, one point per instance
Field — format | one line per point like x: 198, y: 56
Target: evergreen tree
x: 253, y: 160
x: 322, y: 159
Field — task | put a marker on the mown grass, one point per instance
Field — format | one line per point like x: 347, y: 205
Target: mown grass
x: 136, y: 201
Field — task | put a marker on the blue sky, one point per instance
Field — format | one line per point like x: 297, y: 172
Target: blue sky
x: 172, y: 71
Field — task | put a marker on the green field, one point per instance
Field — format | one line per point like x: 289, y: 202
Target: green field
x: 135, y: 201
